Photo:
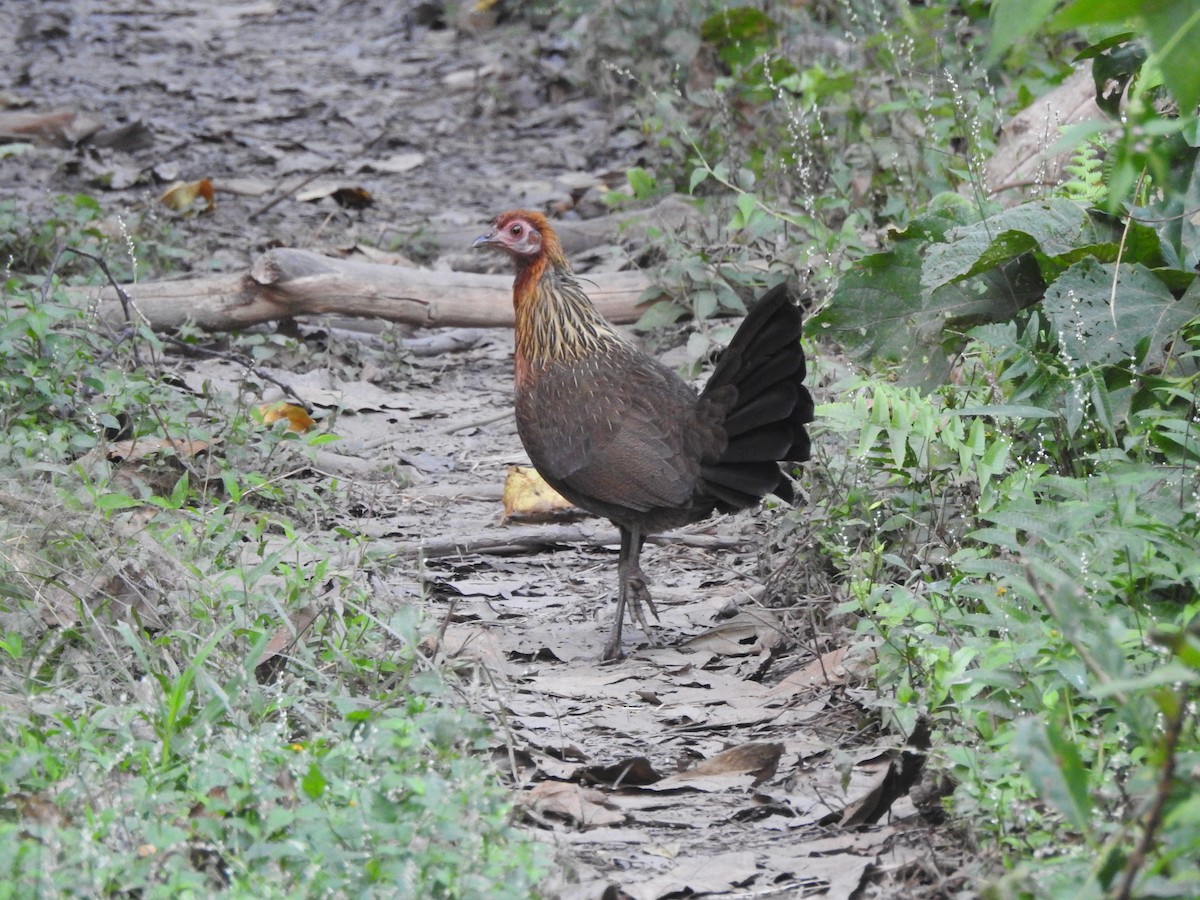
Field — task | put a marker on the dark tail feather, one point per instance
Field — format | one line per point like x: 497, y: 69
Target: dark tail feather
x: 774, y: 324
x: 742, y: 484
x: 758, y: 384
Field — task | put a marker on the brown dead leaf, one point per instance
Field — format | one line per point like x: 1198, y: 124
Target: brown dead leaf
x: 823, y: 671
x: 894, y: 782
x: 62, y: 127
x: 322, y: 390
x: 181, y: 196
x: 382, y: 257
x: 750, y: 631
x: 143, y: 447
x: 34, y: 808
x: 634, y: 772
x: 397, y: 164
x: 469, y: 644
x: 582, y: 806
x: 353, y: 198
x: 285, y: 637
x: 842, y: 872
x: 527, y: 496
x: 345, y: 196
x: 717, y: 874
x: 298, y: 419
x: 757, y: 759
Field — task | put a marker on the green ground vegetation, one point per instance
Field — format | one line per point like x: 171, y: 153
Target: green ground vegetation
x: 1007, y: 495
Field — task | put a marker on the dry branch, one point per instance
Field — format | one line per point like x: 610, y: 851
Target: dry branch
x: 284, y: 283
x: 535, y: 538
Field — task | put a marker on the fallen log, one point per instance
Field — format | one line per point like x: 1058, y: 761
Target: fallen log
x: 284, y: 283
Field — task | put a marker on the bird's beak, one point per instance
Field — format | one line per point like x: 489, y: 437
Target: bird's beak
x: 484, y: 239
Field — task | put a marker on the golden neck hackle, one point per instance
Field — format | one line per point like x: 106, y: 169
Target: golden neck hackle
x: 556, y: 322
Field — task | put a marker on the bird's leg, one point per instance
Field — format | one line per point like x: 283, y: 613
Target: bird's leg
x: 636, y: 582
x: 631, y: 589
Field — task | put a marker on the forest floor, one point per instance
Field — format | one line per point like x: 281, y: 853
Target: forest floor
x: 734, y: 758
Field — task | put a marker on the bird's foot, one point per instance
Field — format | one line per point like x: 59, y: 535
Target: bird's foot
x: 639, y: 594
x: 636, y: 595
x: 612, y: 650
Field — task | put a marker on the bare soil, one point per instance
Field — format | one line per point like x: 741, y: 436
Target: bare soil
x: 727, y: 757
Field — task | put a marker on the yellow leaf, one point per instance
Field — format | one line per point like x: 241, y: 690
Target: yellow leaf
x: 527, y: 495
x: 297, y: 417
x: 182, y: 195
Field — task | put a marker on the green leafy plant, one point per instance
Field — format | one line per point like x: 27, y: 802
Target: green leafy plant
x: 209, y: 701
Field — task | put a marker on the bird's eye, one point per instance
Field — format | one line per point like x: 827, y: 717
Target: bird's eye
x: 515, y: 231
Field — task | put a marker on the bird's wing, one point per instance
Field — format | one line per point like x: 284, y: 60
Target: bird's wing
x: 617, y: 433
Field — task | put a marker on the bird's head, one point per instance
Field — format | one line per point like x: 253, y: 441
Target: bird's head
x: 522, y: 234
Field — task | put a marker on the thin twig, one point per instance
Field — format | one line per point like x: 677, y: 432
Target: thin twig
x: 129, y: 308
x: 239, y: 360
x: 1112, y: 297
x: 479, y: 423
x: 1154, y: 816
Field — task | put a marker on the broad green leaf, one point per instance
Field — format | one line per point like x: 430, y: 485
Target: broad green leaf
x: 642, y: 182
x: 1174, y: 35
x: 1094, y: 331
x: 1097, y: 12
x: 1113, y: 70
x: 109, y: 502
x: 314, y: 782
x: 1173, y: 28
x: 1012, y: 21
x: 871, y: 309
x: 704, y: 304
x: 659, y: 315
x: 946, y: 212
x: 878, y: 310
x: 1054, y: 226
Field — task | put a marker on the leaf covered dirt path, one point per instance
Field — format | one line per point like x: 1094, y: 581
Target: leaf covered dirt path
x: 731, y: 760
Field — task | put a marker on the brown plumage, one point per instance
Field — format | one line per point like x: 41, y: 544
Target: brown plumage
x: 621, y: 435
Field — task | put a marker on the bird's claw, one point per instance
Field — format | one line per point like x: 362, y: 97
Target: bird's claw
x: 639, y: 594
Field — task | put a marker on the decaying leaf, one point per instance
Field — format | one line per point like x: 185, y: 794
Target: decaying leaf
x: 345, y: 196
x: 635, y: 772
x: 142, y: 447
x: 754, y: 762
x: 827, y: 669
x: 527, y: 496
x: 34, y: 808
x: 750, y: 631
x: 717, y: 874
x: 900, y: 775
x: 181, y: 196
x: 397, y: 164
x: 353, y: 198
x: 61, y: 127
x: 579, y: 805
x: 842, y: 872
x: 285, y: 637
x: 297, y: 417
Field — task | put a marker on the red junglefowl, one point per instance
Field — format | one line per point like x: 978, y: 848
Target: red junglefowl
x: 621, y: 435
